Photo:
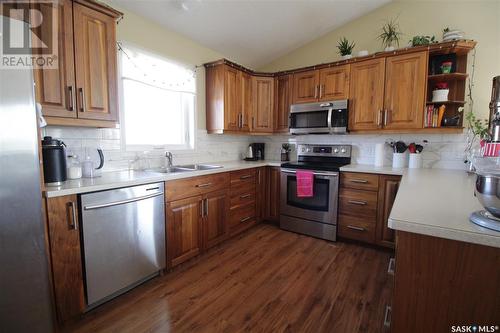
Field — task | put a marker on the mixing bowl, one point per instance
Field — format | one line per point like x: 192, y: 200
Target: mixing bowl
x: 488, y: 192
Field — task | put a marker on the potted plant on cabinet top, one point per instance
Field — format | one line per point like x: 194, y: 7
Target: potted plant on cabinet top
x: 345, y: 48
x: 422, y: 40
x: 390, y: 35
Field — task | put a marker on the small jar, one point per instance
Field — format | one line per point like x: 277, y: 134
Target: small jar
x: 74, y: 168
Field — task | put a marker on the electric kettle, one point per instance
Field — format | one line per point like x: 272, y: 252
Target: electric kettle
x: 92, y: 163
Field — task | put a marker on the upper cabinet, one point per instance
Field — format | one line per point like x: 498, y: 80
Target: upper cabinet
x: 238, y: 102
x: 321, y: 85
x: 386, y: 91
x: 282, y: 100
x: 82, y: 90
x: 263, y: 97
x: 366, y: 94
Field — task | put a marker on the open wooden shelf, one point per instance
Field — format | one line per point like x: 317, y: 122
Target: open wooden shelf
x: 448, y: 77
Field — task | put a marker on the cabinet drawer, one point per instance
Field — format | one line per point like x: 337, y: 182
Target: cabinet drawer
x: 241, y: 216
x: 357, y: 228
x: 360, y: 181
x: 185, y: 188
x: 358, y: 203
x: 242, y: 188
x: 243, y: 199
x: 242, y: 177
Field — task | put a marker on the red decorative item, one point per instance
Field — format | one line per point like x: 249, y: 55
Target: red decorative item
x: 491, y: 149
x: 441, y: 85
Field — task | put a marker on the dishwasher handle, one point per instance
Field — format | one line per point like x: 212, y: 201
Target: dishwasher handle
x: 121, y: 202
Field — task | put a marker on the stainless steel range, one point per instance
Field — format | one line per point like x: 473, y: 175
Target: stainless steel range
x: 316, y: 215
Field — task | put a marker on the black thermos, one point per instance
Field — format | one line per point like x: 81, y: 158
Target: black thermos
x: 54, y: 161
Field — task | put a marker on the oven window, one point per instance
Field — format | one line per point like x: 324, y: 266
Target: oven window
x: 309, y: 119
x: 318, y: 202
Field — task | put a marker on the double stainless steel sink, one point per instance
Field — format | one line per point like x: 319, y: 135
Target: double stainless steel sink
x: 186, y: 168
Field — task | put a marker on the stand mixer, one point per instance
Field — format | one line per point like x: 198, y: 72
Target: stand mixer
x: 487, y: 188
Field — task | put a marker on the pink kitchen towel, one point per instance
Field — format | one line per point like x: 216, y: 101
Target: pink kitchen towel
x: 305, y: 182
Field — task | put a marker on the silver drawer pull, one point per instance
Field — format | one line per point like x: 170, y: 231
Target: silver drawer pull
x: 204, y: 185
x: 359, y: 181
x: 392, y: 266
x: 357, y: 202
x: 122, y: 202
x: 356, y: 228
x: 387, y: 316
x: 245, y: 219
x: 74, y: 222
x: 245, y: 196
x: 245, y: 177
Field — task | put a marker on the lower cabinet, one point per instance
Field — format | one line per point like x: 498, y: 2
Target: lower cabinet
x: 273, y: 203
x: 65, y: 255
x: 243, y: 210
x: 214, y: 225
x: 365, y: 202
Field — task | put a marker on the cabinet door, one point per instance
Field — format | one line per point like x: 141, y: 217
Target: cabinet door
x: 262, y: 119
x: 305, y: 87
x: 55, y: 88
x: 246, y: 101
x: 334, y: 83
x: 261, y: 193
x: 388, y: 188
x: 282, y: 103
x: 405, y: 81
x: 273, y: 211
x: 232, y: 98
x: 214, y: 222
x: 95, y: 61
x: 184, y: 239
x: 66, y: 258
x: 366, y: 94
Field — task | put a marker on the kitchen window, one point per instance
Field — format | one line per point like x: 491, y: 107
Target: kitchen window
x: 158, y: 101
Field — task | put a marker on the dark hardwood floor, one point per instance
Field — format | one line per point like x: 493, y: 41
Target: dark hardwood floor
x: 266, y: 280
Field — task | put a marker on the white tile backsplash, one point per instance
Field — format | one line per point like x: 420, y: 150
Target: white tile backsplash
x: 442, y: 151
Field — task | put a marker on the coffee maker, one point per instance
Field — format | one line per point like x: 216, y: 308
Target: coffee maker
x: 255, y: 152
x: 495, y: 110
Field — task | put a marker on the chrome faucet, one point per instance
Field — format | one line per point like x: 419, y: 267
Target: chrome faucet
x: 170, y: 159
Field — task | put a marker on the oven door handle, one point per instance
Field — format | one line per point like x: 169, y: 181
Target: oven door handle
x: 329, y: 174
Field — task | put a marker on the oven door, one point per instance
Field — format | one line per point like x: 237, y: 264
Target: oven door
x: 321, y: 207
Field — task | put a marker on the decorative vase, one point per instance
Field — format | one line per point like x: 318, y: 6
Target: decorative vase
x: 363, y: 53
x: 399, y: 160
x: 389, y: 48
x: 416, y: 161
x: 347, y: 56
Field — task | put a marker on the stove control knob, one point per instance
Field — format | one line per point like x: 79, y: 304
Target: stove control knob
x: 302, y: 149
x: 336, y: 150
x: 308, y: 150
x: 343, y: 150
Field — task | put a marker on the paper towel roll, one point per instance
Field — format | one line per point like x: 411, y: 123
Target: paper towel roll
x: 379, y: 154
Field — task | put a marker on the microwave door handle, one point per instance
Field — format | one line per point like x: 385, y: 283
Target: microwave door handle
x: 329, y: 120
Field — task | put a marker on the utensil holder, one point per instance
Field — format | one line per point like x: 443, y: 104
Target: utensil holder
x: 416, y: 161
x: 399, y: 160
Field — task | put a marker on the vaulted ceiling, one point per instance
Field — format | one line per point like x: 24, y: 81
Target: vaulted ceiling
x: 251, y: 32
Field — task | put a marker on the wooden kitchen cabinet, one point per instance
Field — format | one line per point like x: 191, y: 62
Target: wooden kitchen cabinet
x: 66, y: 258
x: 365, y: 203
x: 215, y: 218
x: 263, y: 105
x: 334, y: 83
x: 405, y: 85
x: 305, y: 87
x: 261, y: 193
x: 232, y: 98
x: 243, y: 209
x: 366, y: 94
x: 388, y: 189
x: 95, y: 64
x: 246, y: 101
x: 184, y: 230
x: 274, y: 189
x: 55, y: 88
x: 82, y: 90
x: 283, y: 92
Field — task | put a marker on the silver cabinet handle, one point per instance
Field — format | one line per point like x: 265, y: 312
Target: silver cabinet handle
x: 316, y: 91
x: 387, y: 316
x: 82, y: 100
x: 245, y: 196
x: 359, y: 181
x: 204, y: 185
x: 202, y: 209
x: 74, y: 222
x: 245, y: 219
x: 206, y: 207
x: 240, y: 120
x: 121, y: 202
x: 321, y: 88
x: 253, y: 122
x: 71, y: 104
x: 379, y: 118
x: 356, y: 228
x: 392, y: 265
x: 386, y: 112
x: 358, y: 202
x: 246, y: 177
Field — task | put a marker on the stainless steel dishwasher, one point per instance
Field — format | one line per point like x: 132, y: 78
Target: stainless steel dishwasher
x: 123, y: 233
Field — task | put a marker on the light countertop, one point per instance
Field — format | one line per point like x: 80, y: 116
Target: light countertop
x: 110, y: 180
x: 367, y: 168
x: 438, y: 202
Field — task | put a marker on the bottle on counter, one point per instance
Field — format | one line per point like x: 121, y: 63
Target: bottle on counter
x: 74, y: 169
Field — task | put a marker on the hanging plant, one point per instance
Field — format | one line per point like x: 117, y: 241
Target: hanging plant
x: 345, y: 48
x: 390, y: 34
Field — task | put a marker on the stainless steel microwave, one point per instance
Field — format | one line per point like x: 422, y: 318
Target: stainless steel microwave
x: 318, y: 118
